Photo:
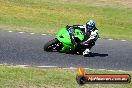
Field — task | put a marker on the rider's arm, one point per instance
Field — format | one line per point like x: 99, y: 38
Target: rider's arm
x: 93, y: 36
x: 71, y: 33
x: 81, y: 27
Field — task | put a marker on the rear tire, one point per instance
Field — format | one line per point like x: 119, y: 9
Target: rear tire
x: 49, y: 46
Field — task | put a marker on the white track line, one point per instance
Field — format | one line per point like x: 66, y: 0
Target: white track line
x: 73, y: 68
x: 32, y: 33
x: 109, y: 39
x: 10, y: 31
x: 23, y: 66
x: 21, y: 32
x: 95, y: 69
x: 70, y: 68
x: 123, y: 40
x: 47, y: 66
x: 43, y: 34
x: 1, y: 64
x: 46, y: 34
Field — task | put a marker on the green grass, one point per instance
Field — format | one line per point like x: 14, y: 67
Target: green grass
x: 16, y: 77
x: 114, y: 19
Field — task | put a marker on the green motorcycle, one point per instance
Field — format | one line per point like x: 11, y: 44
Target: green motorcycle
x: 63, y: 43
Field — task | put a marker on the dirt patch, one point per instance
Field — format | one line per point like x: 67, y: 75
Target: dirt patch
x: 125, y: 3
x: 121, y: 3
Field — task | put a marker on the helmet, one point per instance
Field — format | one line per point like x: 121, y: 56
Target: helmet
x: 90, y: 24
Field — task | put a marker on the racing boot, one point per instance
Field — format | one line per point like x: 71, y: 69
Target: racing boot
x: 87, y: 52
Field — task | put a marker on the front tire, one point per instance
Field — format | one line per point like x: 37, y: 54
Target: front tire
x: 52, y: 45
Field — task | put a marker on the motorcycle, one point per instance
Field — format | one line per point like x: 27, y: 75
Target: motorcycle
x: 63, y: 43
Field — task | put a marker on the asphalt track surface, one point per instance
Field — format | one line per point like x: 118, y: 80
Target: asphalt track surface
x: 27, y: 49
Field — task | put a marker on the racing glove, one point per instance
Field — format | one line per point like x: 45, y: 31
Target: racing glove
x: 71, y: 32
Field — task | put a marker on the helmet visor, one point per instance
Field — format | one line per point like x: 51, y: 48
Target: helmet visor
x: 89, y: 27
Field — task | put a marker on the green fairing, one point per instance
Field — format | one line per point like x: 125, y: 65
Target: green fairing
x: 64, y: 37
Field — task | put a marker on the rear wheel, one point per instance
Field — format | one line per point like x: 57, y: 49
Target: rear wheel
x: 53, y: 45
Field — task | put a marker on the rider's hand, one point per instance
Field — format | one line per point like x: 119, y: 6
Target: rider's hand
x: 83, y: 43
x: 71, y: 30
x: 76, y: 43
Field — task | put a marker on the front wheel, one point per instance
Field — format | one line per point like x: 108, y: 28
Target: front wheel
x: 53, y: 45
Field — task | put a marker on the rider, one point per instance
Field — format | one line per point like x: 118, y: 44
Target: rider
x: 91, y: 35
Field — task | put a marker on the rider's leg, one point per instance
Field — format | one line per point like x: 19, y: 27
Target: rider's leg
x: 88, y: 48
